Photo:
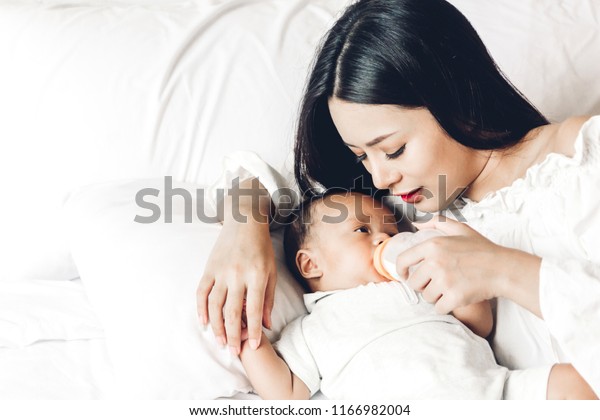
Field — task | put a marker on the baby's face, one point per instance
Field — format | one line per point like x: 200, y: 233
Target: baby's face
x: 346, y: 230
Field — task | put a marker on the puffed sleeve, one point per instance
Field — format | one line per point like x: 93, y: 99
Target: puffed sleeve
x: 570, y: 305
x: 243, y: 165
x: 570, y: 286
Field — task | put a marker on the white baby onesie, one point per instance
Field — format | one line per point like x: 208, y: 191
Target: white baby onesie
x: 370, y: 342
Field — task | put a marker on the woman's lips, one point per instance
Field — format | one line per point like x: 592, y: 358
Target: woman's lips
x: 412, y: 196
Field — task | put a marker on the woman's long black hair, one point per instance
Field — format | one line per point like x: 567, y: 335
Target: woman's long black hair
x: 411, y: 53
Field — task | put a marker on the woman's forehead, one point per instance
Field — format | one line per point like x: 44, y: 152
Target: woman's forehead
x: 350, y: 113
x: 361, y: 125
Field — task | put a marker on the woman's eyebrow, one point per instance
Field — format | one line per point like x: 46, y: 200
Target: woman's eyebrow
x: 375, y: 141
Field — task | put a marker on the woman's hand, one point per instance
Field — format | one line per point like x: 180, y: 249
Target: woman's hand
x: 241, y: 266
x: 465, y: 268
x: 240, y: 276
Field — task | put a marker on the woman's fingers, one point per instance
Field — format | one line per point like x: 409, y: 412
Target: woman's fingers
x: 269, y: 301
x: 223, y: 303
x: 446, y: 304
x: 432, y: 292
x: 419, y: 279
x: 412, y: 256
x: 216, y: 300
x: 255, y: 297
x: 446, y: 225
x: 240, y: 264
x: 204, y: 288
x: 233, y: 317
x: 457, y: 269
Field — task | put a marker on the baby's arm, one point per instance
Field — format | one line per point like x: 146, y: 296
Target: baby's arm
x: 477, y: 316
x: 269, y: 375
x: 565, y: 383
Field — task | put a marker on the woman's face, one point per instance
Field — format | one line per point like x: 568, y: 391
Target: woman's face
x: 407, y: 152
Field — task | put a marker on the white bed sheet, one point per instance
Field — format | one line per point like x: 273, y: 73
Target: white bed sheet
x: 56, y: 370
x: 51, y: 343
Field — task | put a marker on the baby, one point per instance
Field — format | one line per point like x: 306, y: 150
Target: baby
x: 365, y: 337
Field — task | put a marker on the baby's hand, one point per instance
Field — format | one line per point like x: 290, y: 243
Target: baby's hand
x: 244, y: 335
x: 244, y: 325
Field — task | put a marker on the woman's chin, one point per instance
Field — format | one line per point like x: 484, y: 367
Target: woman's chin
x: 427, y: 205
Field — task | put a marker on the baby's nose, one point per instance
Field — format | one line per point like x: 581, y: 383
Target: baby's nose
x: 379, y: 238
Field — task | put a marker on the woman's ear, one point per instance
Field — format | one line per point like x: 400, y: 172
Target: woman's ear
x: 306, y: 261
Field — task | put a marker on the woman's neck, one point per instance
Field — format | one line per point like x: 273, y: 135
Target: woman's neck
x: 503, y: 167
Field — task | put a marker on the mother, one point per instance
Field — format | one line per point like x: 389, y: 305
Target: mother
x: 404, y: 93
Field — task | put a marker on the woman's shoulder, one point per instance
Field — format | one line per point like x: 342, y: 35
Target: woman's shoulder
x: 576, y: 139
x: 566, y: 133
x: 563, y: 155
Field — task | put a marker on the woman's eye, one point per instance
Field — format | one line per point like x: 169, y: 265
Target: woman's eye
x: 362, y: 229
x: 396, y: 153
x: 360, y: 158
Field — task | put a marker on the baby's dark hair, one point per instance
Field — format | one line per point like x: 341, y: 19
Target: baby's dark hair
x: 298, y: 228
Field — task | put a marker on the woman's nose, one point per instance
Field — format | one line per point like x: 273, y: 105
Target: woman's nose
x: 383, y: 175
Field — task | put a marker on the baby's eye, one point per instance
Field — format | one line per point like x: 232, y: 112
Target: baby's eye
x: 362, y: 229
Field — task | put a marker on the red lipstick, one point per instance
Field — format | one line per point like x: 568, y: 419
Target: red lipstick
x: 412, y: 196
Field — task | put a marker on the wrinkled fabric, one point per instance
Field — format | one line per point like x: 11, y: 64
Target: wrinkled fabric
x: 371, y: 342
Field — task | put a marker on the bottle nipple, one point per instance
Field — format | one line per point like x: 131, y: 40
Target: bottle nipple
x: 387, y: 267
x: 378, y: 260
x: 386, y: 253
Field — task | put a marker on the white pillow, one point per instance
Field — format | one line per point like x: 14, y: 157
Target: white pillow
x: 103, y: 91
x: 141, y: 279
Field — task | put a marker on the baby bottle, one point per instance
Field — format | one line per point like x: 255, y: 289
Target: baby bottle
x: 384, y: 258
x: 386, y: 253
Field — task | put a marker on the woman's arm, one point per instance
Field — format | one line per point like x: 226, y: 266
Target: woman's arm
x: 519, y: 280
x: 241, y: 265
x: 242, y: 262
x: 565, y: 383
x: 464, y: 267
x: 269, y: 375
x: 477, y: 317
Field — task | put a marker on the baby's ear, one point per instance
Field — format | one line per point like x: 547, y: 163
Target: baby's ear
x: 306, y: 261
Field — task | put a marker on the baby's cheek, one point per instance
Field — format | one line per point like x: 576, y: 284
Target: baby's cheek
x: 364, y: 268
x: 376, y: 277
x: 353, y: 270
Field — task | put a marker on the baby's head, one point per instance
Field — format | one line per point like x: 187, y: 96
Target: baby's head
x: 330, y: 243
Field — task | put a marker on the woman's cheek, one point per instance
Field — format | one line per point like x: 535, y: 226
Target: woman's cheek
x: 367, y: 165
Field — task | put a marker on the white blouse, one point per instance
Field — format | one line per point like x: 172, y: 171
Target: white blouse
x: 554, y: 213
